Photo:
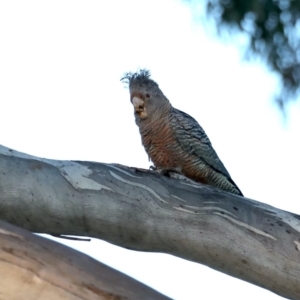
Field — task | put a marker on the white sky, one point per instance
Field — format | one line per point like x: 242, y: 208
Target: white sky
x: 61, y: 98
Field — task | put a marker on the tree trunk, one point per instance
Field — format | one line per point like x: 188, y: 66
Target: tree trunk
x: 145, y: 211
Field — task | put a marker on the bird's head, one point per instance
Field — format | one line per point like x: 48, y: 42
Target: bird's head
x: 148, y: 100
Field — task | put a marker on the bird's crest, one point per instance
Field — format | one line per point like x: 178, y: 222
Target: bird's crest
x: 138, y: 78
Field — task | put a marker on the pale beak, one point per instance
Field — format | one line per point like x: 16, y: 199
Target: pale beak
x: 138, y: 104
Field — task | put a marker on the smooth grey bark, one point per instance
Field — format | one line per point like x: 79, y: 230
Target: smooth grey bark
x: 32, y: 267
x: 145, y: 211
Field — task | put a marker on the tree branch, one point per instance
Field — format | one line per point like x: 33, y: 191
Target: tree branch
x: 145, y: 211
x: 37, y: 268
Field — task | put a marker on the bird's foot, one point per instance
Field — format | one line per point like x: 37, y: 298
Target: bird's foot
x: 166, y: 171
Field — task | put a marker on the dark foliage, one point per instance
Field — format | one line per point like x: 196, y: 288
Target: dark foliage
x: 274, y: 30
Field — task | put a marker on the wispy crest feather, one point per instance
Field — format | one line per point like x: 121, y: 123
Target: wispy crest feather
x: 142, y: 76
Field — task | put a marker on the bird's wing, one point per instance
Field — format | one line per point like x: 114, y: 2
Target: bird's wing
x: 193, y: 139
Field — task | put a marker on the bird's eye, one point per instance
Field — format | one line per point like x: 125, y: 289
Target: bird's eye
x: 147, y: 96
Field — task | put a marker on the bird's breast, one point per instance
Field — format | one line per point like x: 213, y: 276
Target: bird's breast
x: 160, y: 144
x: 165, y: 151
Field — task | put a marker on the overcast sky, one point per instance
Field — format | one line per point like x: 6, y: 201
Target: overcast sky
x: 61, y: 98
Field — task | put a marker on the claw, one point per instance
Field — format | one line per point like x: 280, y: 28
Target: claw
x: 167, y: 171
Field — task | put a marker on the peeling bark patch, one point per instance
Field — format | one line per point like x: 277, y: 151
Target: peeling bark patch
x: 122, y: 171
x: 269, y: 212
x: 297, y: 245
x: 185, y: 210
x: 5, y: 232
x: 212, y: 208
x: 191, y: 184
x: 78, y: 176
x: 246, y: 226
x: 101, y: 293
x: 177, y: 198
x: 142, y: 186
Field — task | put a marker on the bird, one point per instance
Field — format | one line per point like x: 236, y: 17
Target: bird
x: 173, y: 140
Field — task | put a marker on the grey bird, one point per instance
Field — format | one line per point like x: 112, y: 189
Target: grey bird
x: 173, y: 139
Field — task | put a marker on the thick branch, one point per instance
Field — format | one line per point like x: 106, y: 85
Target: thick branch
x: 33, y: 267
x: 142, y: 210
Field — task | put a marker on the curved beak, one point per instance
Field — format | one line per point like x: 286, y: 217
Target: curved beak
x: 138, y: 104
